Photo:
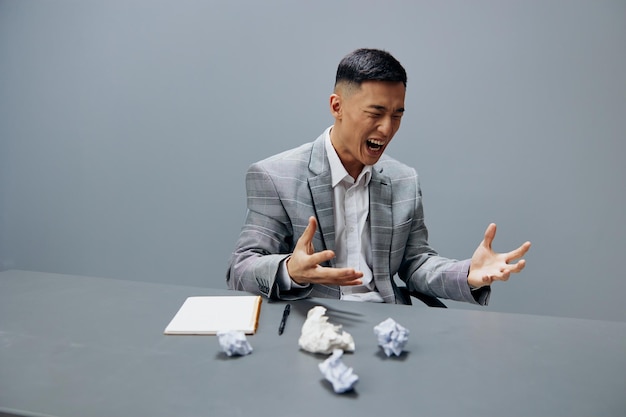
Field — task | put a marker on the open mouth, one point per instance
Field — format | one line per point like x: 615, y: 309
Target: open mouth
x: 375, y: 145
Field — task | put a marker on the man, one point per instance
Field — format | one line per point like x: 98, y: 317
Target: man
x: 337, y: 218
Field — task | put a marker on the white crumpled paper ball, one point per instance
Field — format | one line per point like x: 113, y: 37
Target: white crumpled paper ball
x: 392, y: 337
x: 320, y: 336
x: 234, y: 343
x: 337, y: 373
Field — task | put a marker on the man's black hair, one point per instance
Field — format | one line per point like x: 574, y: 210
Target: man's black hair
x: 369, y: 65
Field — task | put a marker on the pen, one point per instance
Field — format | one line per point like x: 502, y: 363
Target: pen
x: 286, y: 311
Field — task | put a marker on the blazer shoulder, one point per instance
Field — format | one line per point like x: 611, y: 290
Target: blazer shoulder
x: 287, y: 161
x: 395, y: 169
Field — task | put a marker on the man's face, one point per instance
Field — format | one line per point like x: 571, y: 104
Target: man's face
x: 366, y: 119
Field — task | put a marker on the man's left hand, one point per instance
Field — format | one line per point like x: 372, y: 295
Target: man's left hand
x: 488, y: 266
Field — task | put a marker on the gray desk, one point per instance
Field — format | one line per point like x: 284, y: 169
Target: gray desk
x: 81, y: 346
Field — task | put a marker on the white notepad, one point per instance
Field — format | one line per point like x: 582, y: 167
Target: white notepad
x: 210, y: 314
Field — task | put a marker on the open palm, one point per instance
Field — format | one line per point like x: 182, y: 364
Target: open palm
x: 488, y: 266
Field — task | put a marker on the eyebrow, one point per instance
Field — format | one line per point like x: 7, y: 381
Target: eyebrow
x: 383, y: 108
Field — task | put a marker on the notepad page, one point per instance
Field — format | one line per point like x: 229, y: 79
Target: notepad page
x: 210, y: 314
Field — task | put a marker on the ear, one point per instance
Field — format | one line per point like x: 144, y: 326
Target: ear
x: 336, y: 105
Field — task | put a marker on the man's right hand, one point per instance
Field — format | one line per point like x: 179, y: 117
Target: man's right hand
x: 304, y: 264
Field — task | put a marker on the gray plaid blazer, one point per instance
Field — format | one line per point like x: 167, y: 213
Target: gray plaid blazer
x: 283, y: 191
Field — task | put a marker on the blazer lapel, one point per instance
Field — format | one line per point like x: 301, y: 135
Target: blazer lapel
x: 321, y: 189
x: 381, y: 226
x: 322, y: 194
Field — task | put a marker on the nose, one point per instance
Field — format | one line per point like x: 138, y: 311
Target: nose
x: 386, y: 127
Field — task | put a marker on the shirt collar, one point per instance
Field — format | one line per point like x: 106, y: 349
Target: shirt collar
x: 338, y: 172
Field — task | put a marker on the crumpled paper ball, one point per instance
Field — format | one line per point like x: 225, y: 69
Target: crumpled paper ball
x: 234, y: 343
x: 337, y: 373
x: 320, y: 336
x: 392, y: 337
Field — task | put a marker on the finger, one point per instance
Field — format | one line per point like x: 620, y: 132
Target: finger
x: 502, y: 275
x: 518, y: 266
x: 340, y: 276
x: 518, y: 253
x: 490, y: 234
x: 321, y: 257
x: 505, y: 272
x: 308, y: 264
x: 306, y: 240
x: 345, y: 281
x: 351, y: 282
x: 338, y: 273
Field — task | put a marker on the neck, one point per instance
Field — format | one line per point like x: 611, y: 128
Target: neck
x: 353, y: 166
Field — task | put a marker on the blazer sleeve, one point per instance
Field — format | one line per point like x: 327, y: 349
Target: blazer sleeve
x: 425, y: 271
x: 265, y: 241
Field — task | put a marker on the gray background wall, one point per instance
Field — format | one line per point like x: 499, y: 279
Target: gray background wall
x: 126, y: 128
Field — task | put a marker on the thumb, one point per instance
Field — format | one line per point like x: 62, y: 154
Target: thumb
x: 307, y: 236
x: 490, y: 234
